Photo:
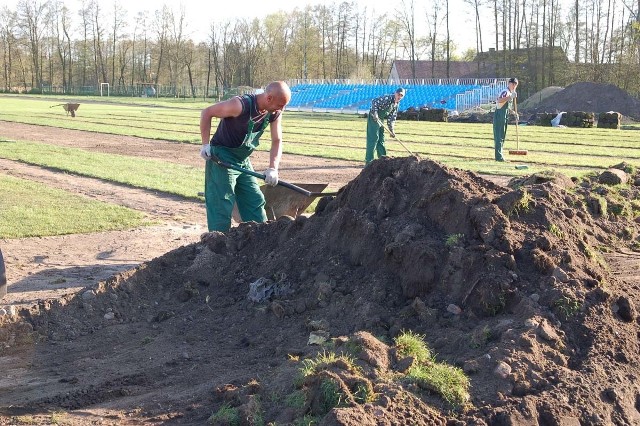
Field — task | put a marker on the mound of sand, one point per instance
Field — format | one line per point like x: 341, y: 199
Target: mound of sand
x: 589, y: 97
x: 506, y: 284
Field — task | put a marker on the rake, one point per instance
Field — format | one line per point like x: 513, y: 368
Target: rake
x: 517, y: 151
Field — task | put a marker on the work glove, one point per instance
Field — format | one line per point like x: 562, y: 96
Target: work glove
x: 205, y: 151
x: 271, y: 176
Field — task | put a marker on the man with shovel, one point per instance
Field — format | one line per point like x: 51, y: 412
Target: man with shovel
x: 503, y: 104
x: 243, y: 119
x: 385, y: 106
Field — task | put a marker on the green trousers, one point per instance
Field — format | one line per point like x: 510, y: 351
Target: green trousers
x: 499, y: 131
x: 375, y: 140
x: 225, y: 187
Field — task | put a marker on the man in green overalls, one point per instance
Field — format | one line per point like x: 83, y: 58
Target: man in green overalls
x: 385, y: 106
x: 503, y: 104
x: 243, y: 119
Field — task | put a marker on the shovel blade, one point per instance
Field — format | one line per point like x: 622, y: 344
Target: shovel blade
x: 282, y: 201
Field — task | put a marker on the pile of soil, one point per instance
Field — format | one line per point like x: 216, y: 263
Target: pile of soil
x: 533, y: 100
x: 588, y: 97
x: 507, y: 284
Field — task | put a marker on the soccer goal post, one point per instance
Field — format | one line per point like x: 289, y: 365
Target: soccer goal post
x: 102, y: 86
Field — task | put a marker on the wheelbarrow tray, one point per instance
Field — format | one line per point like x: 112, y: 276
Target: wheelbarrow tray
x: 282, y: 201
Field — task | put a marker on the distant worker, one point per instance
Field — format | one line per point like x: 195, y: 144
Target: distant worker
x: 243, y: 119
x: 503, y: 104
x: 385, y: 106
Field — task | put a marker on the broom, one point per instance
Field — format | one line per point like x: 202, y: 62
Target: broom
x: 517, y: 151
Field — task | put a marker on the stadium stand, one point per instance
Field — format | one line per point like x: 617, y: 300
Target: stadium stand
x: 356, y: 98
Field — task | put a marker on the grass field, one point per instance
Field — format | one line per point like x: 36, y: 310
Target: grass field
x: 341, y: 136
x: 329, y: 135
x: 30, y: 209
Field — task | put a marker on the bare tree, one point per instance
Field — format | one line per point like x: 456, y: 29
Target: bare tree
x: 176, y: 46
x: 476, y: 4
x: 324, y: 17
x: 8, y: 43
x: 161, y: 28
x: 61, y: 23
x: 343, y: 31
x: 100, y: 69
x: 31, y: 15
x: 407, y: 18
x: 85, y: 17
x: 119, y: 19
x: 434, y: 20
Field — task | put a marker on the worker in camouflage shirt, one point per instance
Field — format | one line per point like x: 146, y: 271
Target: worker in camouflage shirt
x: 385, y: 106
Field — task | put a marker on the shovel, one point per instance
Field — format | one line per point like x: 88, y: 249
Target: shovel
x: 278, y: 202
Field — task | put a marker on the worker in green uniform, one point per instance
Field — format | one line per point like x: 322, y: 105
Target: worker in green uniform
x: 243, y: 119
x: 503, y: 105
x: 385, y: 106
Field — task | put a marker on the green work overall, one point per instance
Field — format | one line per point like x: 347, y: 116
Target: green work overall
x: 375, y: 138
x: 225, y: 187
x: 500, y: 130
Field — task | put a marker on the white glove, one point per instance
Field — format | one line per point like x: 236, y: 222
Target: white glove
x: 205, y: 151
x: 271, y: 176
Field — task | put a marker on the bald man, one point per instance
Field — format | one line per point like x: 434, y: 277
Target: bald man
x: 243, y: 119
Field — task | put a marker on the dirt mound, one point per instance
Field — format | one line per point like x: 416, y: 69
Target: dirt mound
x: 533, y: 100
x: 589, y: 97
x: 299, y: 319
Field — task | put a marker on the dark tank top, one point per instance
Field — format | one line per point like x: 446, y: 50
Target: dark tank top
x: 232, y: 131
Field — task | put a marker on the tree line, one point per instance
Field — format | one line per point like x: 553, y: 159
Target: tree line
x: 44, y: 44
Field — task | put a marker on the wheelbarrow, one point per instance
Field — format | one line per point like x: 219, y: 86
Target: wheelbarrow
x: 69, y: 108
x: 284, y: 199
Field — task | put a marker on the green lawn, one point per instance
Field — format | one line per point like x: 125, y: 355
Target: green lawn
x: 31, y: 209
x: 341, y: 136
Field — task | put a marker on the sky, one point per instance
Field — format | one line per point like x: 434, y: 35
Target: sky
x: 200, y: 17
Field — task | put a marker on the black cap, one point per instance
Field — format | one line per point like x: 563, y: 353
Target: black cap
x: 400, y: 90
x: 513, y: 80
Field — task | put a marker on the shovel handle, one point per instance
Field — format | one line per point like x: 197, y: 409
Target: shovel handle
x: 263, y: 177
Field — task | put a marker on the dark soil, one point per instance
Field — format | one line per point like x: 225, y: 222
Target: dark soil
x: 590, y: 97
x: 509, y: 284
